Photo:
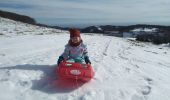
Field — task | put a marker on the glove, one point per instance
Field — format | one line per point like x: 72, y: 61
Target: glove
x: 87, y: 60
x: 60, y: 59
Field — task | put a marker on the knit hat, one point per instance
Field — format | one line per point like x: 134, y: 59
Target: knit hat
x: 74, y: 32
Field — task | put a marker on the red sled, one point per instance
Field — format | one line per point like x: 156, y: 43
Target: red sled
x: 77, y: 71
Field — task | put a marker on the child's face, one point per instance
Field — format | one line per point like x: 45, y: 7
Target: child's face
x: 75, y: 39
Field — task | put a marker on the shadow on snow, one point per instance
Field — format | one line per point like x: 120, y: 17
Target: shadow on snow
x: 49, y: 82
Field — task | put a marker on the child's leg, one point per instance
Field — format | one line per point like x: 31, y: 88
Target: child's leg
x: 79, y: 60
x: 71, y: 60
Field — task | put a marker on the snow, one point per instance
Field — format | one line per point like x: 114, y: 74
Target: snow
x: 11, y: 28
x: 145, y: 29
x: 99, y: 28
x: 124, y: 69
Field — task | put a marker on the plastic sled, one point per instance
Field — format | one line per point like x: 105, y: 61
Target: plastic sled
x: 77, y: 71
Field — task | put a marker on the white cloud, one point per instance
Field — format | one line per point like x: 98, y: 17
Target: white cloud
x: 96, y: 10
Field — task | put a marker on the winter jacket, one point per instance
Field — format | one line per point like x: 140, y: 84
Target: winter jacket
x: 71, y: 52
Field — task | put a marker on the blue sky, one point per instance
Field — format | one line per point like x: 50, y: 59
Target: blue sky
x: 92, y: 12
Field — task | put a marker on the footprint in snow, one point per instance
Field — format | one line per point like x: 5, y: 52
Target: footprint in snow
x: 146, y: 90
x: 149, y: 80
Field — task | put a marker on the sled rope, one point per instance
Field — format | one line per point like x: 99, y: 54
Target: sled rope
x: 76, y: 81
x: 76, y: 85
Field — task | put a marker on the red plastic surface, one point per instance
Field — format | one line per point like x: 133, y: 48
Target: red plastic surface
x: 75, y: 71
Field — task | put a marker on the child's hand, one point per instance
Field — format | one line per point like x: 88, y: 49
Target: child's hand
x: 87, y: 60
x: 60, y: 60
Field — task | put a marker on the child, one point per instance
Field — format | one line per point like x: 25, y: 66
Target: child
x: 75, y: 50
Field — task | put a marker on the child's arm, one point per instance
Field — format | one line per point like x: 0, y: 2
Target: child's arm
x: 85, y: 53
x: 65, y: 54
x: 86, y: 57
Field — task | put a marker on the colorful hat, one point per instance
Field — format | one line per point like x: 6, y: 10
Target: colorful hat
x: 74, y: 32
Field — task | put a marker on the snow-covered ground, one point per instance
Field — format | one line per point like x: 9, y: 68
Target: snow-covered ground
x: 124, y: 69
x: 13, y: 28
x: 145, y: 30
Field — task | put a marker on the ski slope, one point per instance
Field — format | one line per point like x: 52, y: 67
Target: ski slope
x: 124, y: 69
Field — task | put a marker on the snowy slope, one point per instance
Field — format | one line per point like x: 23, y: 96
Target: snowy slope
x: 124, y: 69
x: 10, y: 28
